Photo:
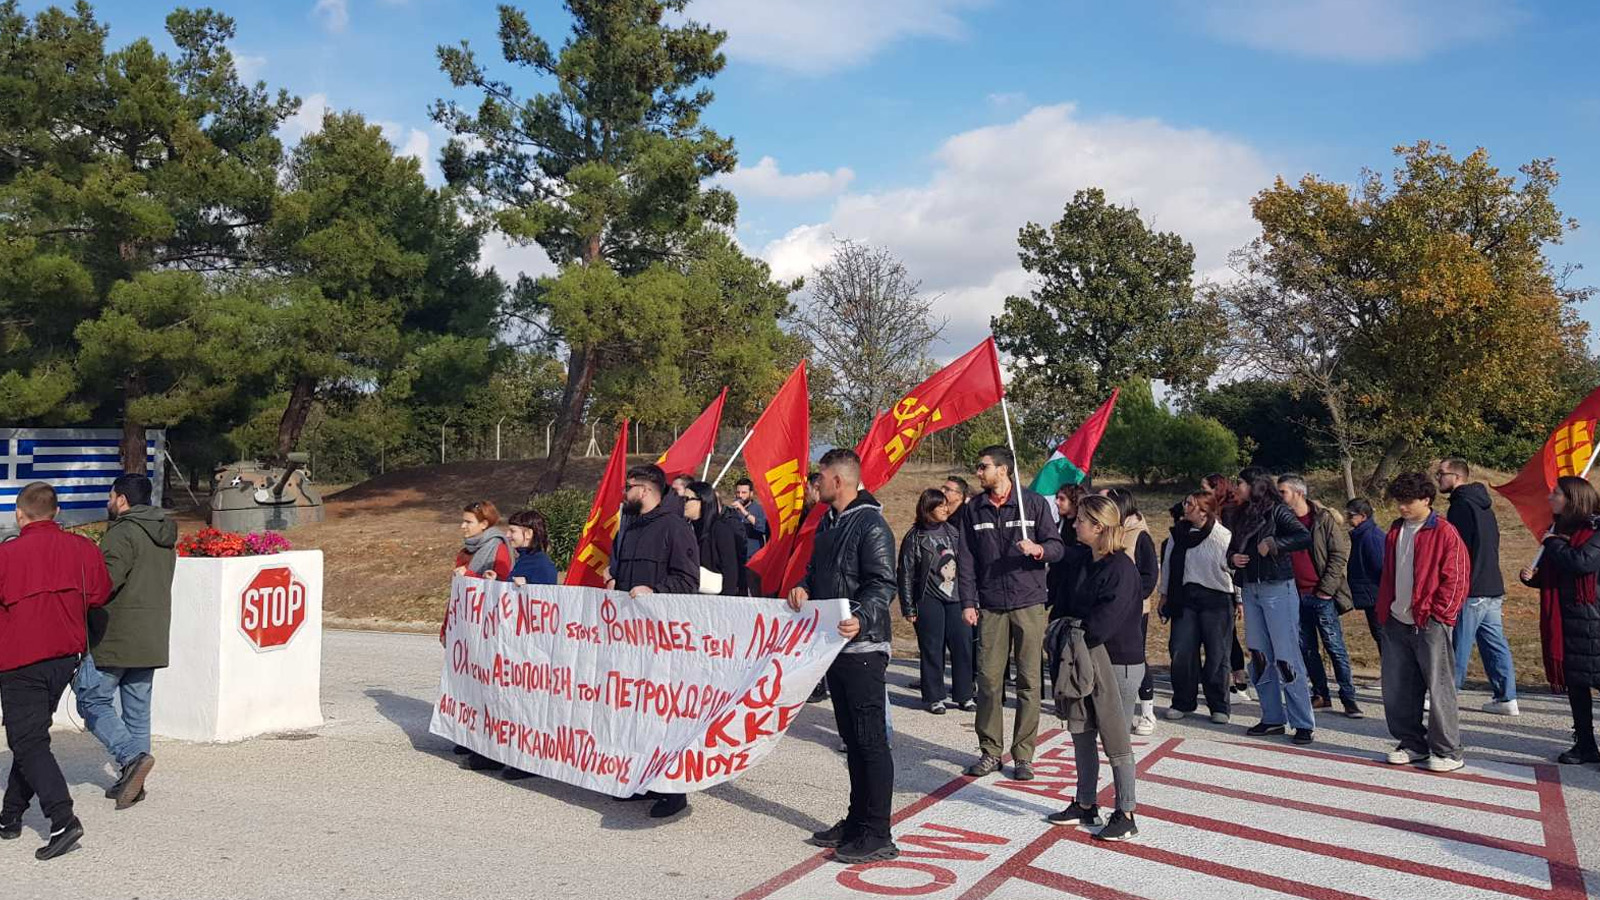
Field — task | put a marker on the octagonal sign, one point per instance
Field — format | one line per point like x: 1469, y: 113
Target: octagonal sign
x: 272, y: 608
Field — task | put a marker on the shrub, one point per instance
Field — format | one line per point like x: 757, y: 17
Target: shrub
x: 1149, y: 443
x: 565, y: 512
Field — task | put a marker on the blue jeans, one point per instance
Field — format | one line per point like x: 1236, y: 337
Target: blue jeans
x: 1480, y: 621
x: 1319, y: 619
x: 126, y: 734
x: 1272, y: 635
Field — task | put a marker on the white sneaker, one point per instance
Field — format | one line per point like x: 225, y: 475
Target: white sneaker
x: 1174, y: 714
x: 1400, y: 756
x: 1219, y: 718
x: 1506, y: 708
x: 1443, y: 764
x: 1144, y: 725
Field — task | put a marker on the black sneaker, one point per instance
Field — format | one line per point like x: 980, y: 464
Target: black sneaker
x: 838, y: 835
x: 863, y: 850
x: 1262, y: 729
x: 1022, y: 771
x: 1580, y: 754
x: 137, y: 798
x: 132, y: 784
x: 477, y: 762
x: 669, y: 805
x: 1303, y: 736
x: 12, y: 831
x: 61, y: 840
x: 819, y: 693
x: 1120, y: 827
x: 1353, y: 711
x: 985, y: 766
x: 1077, y: 815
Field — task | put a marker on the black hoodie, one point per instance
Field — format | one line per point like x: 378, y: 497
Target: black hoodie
x: 1473, y: 515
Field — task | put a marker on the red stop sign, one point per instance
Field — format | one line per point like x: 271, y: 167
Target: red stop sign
x: 272, y: 607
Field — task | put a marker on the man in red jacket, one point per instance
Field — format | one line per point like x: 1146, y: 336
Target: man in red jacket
x: 49, y: 579
x: 1425, y: 578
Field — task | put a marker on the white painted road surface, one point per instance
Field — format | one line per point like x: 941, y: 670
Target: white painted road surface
x: 372, y: 806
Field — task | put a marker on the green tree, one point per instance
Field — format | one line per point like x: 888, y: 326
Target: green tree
x: 1149, y: 442
x: 605, y: 171
x: 117, y: 165
x: 1113, y: 303
x: 1286, y: 429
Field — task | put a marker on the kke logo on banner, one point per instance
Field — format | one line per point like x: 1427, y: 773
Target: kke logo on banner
x: 788, y: 485
x: 1574, y: 445
x: 272, y: 608
x: 912, y: 417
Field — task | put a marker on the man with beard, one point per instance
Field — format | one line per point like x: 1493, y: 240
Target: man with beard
x: 657, y: 554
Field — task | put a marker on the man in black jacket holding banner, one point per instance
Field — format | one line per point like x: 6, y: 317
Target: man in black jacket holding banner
x: 854, y: 559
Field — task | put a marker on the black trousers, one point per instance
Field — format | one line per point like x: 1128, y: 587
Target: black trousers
x: 29, y: 696
x: 1147, y: 686
x: 1582, y: 703
x: 1196, y: 632
x: 856, y: 682
x: 940, y: 628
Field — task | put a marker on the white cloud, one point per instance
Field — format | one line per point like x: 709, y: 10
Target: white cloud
x: 249, y: 66
x: 306, y: 120
x: 334, y: 14
x: 1358, y: 31
x: 818, y: 36
x: 408, y: 141
x: 958, y: 232
x: 765, y: 180
x: 512, y: 259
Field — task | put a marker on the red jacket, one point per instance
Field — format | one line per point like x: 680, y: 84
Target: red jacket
x: 1441, y: 575
x: 49, y: 578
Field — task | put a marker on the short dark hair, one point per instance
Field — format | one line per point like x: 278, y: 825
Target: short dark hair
x: 960, y: 482
x: 1000, y: 454
x: 745, y: 482
x: 930, y: 500
x: 1412, y: 486
x: 650, y: 472
x: 1123, y: 498
x: 533, y: 520
x: 1249, y: 474
x: 1456, y: 466
x: 37, y: 501
x: 841, y: 457
x: 1359, y: 507
x: 814, y: 478
x: 134, y: 488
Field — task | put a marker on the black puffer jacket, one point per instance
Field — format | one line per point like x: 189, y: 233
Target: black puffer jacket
x: 1580, y: 622
x: 854, y: 559
x: 658, y: 551
x: 1287, y: 535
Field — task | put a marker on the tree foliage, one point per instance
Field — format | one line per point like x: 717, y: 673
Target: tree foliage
x: 1150, y: 443
x: 1113, y: 302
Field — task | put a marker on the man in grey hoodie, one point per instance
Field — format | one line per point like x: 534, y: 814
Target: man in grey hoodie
x: 128, y: 636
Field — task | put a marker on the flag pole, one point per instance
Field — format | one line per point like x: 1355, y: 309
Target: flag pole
x: 706, y: 471
x: 1539, y: 554
x: 1016, y: 474
x: 736, y: 451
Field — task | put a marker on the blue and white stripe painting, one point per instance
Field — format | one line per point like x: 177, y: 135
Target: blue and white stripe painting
x: 80, y: 463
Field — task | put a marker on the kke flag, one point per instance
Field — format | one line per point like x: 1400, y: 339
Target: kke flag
x: 692, y: 450
x: 954, y: 394
x: 951, y: 396
x: 1069, y: 462
x: 1568, y: 451
x: 778, y: 455
x: 593, y: 553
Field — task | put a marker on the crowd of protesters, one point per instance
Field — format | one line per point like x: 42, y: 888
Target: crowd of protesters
x: 1009, y: 592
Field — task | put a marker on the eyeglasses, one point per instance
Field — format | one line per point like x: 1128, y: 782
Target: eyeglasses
x: 983, y: 466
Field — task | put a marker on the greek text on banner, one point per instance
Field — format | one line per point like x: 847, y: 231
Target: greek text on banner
x: 665, y: 692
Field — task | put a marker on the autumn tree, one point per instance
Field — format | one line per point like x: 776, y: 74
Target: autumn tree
x: 604, y: 169
x: 1113, y: 302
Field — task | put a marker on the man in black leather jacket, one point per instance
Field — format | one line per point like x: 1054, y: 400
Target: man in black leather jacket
x: 854, y: 559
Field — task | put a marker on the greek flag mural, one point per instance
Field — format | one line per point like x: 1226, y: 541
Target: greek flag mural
x: 80, y: 463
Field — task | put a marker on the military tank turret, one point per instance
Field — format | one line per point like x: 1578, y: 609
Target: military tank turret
x: 264, y: 496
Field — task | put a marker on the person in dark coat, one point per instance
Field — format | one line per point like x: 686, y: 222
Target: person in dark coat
x: 1366, y: 563
x: 1569, y: 617
x: 49, y: 581
x: 530, y: 535
x: 1481, y: 622
x: 1142, y: 550
x: 854, y: 559
x: 128, y: 637
x: 716, y: 532
x: 930, y: 602
x: 1066, y: 574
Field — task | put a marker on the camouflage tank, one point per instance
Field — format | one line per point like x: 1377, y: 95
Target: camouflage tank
x: 262, y: 496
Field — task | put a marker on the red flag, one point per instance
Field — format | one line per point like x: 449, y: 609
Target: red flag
x: 777, y: 456
x: 593, y: 553
x: 1568, y: 451
x: 954, y: 394
x: 689, y: 453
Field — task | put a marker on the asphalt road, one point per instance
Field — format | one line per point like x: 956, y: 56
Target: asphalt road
x: 372, y: 805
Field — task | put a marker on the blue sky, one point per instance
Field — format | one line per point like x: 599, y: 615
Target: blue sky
x: 939, y: 127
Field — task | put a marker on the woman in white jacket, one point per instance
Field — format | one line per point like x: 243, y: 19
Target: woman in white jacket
x: 1197, y: 598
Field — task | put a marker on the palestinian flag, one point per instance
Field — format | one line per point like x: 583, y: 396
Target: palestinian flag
x: 1069, y: 462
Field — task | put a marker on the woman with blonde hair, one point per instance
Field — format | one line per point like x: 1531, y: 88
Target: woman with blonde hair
x: 1105, y: 628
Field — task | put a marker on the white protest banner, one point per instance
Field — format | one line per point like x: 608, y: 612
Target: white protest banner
x: 666, y: 692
